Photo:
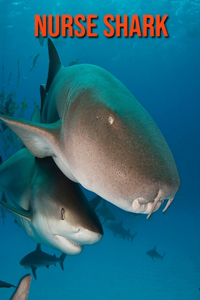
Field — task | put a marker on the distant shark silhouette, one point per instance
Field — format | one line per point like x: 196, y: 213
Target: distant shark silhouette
x: 4, y: 284
x: 154, y: 254
x: 38, y: 258
x: 95, y: 202
x: 23, y: 289
x: 50, y: 208
x: 100, y: 136
x: 119, y: 230
x: 105, y: 213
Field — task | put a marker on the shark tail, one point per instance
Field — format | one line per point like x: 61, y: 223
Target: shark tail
x: 162, y: 256
x: 133, y: 236
x: 62, y: 258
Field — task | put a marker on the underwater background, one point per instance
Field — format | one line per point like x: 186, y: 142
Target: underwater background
x: 164, y: 76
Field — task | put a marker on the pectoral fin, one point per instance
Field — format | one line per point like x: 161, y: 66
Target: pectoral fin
x: 39, y: 138
x: 36, y: 115
x: 20, y: 212
x: 34, y: 272
x: 23, y: 289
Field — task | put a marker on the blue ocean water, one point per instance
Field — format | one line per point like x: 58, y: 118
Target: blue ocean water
x: 163, y: 74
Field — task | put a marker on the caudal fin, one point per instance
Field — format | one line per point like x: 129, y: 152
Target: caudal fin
x: 162, y: 256
x: 133, y: 236
x: 62, y: 258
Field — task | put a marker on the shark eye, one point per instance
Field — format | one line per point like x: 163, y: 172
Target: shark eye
x: 110, y: 120
x: 62, y: 213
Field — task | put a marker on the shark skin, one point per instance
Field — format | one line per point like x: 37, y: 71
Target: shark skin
x: 38, y: 258
x: 23, y: 289
x: 154, y: 254
x: 50, y: 208
x: 101, y: 137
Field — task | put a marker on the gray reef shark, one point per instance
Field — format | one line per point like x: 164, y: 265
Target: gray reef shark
x: 23, y: 289
x: 38, y: 258
x: 50, y: 208
x: 101, y: 137
x: 104, y: 213
x: 154, y: 254
x: 4, y: 284
x: 120, y: 231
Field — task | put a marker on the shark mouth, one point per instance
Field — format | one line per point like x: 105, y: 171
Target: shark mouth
x: 141, y: 205
x: 67, y: 242
x: 74, y: 244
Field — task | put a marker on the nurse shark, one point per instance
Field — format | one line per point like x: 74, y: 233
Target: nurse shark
x: 50, y: 208
x: 100, y: 136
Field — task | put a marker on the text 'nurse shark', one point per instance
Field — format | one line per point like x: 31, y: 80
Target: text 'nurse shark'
x: 101, y: 137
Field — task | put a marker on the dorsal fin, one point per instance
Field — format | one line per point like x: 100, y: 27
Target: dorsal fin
x: 3, y: 197
x: 36, y: 115
x: 38, y: 248
x: 42, y: 96
x: 104, y: 204
x: 54, y: 64
x: 95, y: 202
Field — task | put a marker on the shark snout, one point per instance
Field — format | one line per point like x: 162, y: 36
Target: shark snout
x: 85, y: 236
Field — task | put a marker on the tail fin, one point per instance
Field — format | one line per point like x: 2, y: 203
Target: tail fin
x: 62, y: 258
x: 133, y: 236
x: 162, y: 256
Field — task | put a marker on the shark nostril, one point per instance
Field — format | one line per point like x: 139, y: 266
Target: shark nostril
x: 142, y: 201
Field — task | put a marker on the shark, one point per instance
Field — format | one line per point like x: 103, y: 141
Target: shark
x: 154, y: 254
x: 100, y: 136
x: 34, y: 62
x: 38, y: 258
x: 104, y: 213
x: 119, y: 230
x: 23, y: 289
x: 4, y: 284
x: 49, y: 207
